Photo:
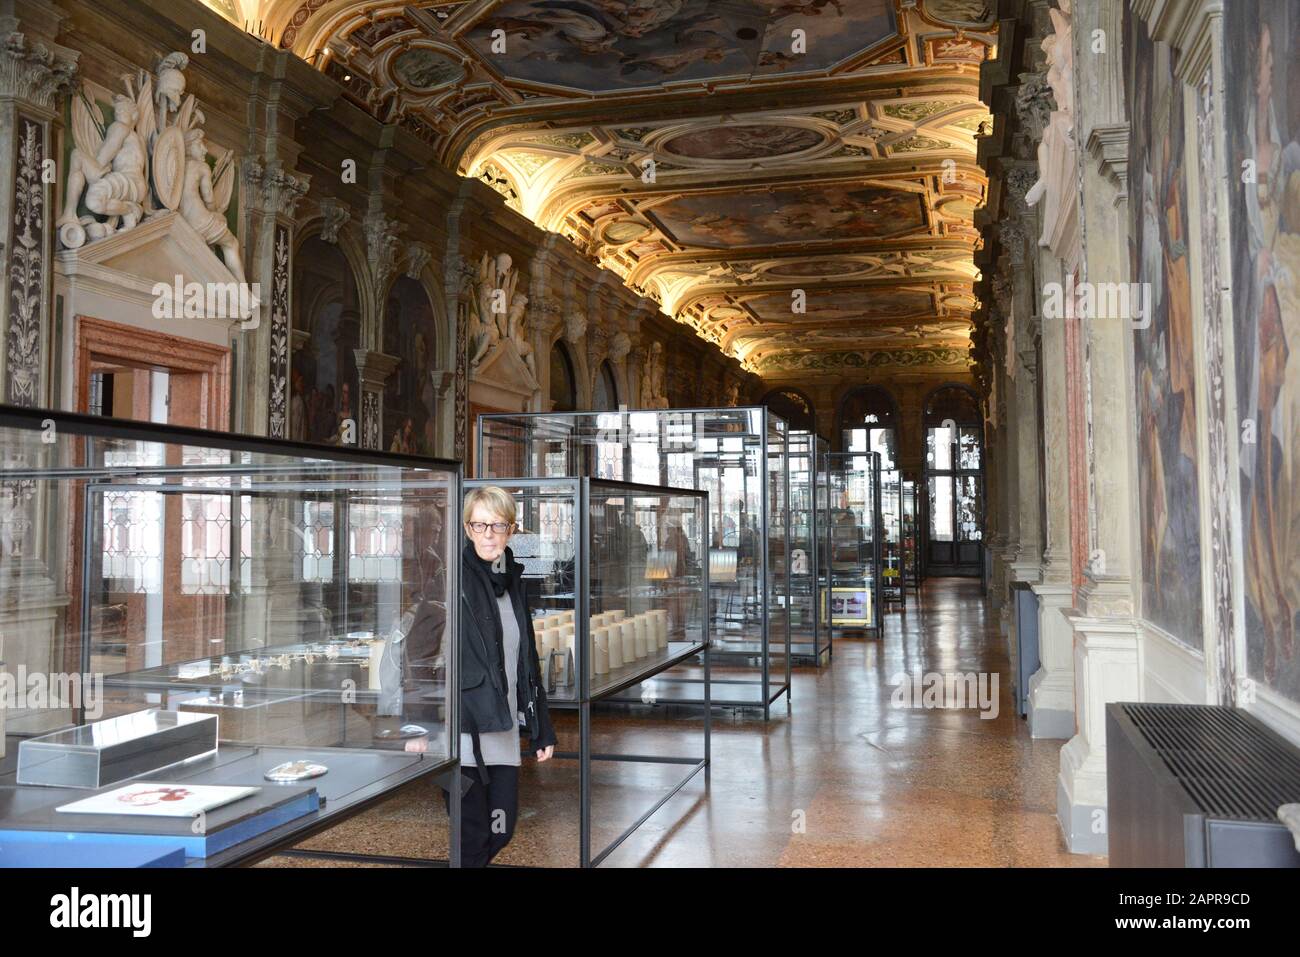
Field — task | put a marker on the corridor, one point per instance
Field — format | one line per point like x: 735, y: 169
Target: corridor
x: 845, y: 780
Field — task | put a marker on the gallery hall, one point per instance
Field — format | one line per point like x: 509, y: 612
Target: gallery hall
x: 559, y: 434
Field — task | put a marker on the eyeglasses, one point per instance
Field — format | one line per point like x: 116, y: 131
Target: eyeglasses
x: 479, y: 528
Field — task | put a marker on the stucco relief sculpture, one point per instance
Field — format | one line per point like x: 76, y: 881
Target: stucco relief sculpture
x: 653, y: 392
x: 150, y: 159
x: 1056, y: 151
x: 497, y: 311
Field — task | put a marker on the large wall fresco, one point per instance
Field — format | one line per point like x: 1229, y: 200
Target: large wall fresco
x: 323, y: 387
x: 1163, y: 351
x: 1263, y: 137
x: 411, y: 334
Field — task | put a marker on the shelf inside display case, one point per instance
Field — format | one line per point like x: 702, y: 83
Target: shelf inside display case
x: 616, y: 579
x: 298, y: 593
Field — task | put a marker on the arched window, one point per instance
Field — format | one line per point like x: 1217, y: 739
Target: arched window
x: 564, y: 394
x: 323, y: 387
x: 793, y: 406
x: 869, y: 423
x: 411, y: 334
x: 954, y: 454
x: 605, y: 396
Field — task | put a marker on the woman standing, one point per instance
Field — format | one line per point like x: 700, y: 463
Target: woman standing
x: 500, y: 679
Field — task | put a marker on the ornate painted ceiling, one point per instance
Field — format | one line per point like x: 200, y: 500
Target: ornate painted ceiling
x: 795, y: 179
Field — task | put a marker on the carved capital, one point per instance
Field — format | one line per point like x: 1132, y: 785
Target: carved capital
x: 33, y: 72
x: 1034, y: 103
x: 275, y: 192
x: 619, y: 346
x: 382, y: 245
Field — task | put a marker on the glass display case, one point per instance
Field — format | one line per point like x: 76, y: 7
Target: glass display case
x: 911, y: 540
x: 851, y: 597
x: 297, y: 593
x: 808, y: 639
x: 617, y: 578
x: 739, y: 456
x: 892, y: 588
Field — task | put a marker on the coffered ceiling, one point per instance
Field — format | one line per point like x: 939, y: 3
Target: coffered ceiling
x: 795, y: 179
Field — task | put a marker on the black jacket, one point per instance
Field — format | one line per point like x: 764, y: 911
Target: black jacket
x: 484, y: 691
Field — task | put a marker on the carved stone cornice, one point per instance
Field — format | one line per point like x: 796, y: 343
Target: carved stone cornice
x: 33, y: 72
x: 1108, y: 145
x: 374, y: 368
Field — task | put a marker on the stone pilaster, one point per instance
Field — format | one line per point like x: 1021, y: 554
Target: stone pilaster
x: 373, y: 370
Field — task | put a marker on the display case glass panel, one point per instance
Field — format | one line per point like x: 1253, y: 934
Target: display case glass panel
x: 299, y: 593
x: 852, y: 596
x: 633, y: 557
x: 891, y: 537
x: 910, y: 532
x: 740, y: 458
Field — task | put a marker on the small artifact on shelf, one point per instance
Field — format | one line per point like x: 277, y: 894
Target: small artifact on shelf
x: 600, y: 650
x: 291, y: 771
x: 628, y: 629
x: 639, y: 624
x: 615, y: 643
x: 400, y: 734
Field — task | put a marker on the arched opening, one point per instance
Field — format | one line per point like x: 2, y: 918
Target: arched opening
x: 954, y: 467
x: 323, y: 391
x: 868, y: 422
x: 793, y: 406
x: 564, y: 393
x: 604, y: 397
x: 410, y: 398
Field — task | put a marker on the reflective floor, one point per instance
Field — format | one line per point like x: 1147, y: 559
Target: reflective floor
x: 848, y: 778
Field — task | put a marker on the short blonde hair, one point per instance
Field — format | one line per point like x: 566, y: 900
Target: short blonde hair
x: 493, y: 498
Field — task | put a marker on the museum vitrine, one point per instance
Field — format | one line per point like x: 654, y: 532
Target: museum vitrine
x: 892, y: 564
x: 851, y: 596
x: 617, y: 580
x: 297, y: 594
x: 740, y: 457
x: 910, y: 532
x: 808, y: 639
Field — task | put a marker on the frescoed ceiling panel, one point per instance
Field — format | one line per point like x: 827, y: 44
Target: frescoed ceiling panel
x: 717, y: 155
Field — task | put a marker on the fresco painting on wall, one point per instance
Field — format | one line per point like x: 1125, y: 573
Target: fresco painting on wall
x: 323, y: 388
x: 1163, y: 352
x: 1263, y: 130
x: 411, y: 334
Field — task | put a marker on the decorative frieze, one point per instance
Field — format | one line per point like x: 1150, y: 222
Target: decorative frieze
x: 26, y: 268
x: 278, y: 415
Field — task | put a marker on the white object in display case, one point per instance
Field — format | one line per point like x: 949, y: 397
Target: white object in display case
x: 159, y: 800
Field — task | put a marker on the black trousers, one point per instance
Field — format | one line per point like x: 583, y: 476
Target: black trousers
x: 488, y: 814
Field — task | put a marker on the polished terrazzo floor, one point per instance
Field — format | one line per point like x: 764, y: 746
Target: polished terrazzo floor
x: 843, y: 779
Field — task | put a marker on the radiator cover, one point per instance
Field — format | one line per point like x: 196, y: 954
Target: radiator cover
x: 1197, y: 786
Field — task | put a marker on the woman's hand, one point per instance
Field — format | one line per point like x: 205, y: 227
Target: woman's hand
x: 545, y: 754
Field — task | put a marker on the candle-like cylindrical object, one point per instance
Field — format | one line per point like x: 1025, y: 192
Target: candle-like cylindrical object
x: 616, y: 614
x: 628, y: 628
x: 660, y: 616
x: 640, y: 625
x: 376, y: 656
x: 614, y: 642
x: 600, y: 650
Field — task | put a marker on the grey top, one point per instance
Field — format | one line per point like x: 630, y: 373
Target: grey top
x: 500, y: 747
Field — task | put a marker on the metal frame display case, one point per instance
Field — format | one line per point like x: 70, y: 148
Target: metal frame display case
x: 852, y: 597
x: 911, y: 531
x: 740, y: 457
x: 617, y: 578
x: 809, y: 639
x: 298, y: 593
x: 893, y: 589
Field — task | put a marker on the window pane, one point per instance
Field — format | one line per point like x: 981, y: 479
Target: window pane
x: 969, y: 447
x: 938, y: 447
x: 941, y: 508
